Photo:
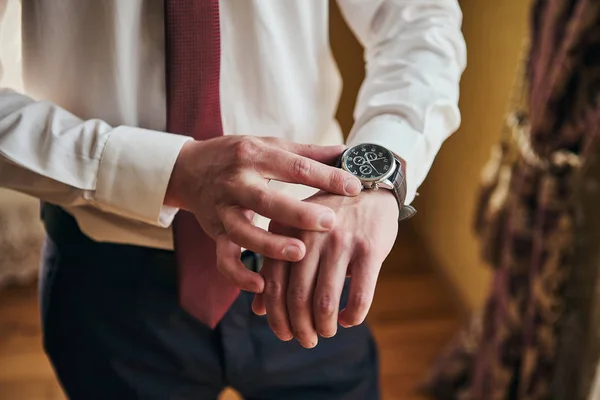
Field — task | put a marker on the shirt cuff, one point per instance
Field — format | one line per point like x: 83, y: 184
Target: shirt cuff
x: 134, y: 173
x: 395, y: 134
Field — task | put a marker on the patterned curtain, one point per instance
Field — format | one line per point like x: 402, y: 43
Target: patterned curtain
x: 526, y: 213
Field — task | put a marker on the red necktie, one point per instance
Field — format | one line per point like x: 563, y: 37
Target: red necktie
x: 193, y: 49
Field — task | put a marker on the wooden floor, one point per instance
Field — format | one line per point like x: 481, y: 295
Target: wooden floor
x: 413, y: 317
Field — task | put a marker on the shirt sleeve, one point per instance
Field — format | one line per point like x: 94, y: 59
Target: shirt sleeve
x: 415, y: 55
x: 49, y: 153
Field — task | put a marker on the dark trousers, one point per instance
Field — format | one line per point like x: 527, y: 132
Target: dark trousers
x: 113, y: 330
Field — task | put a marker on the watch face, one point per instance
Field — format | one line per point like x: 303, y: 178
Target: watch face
x: 369, y: 162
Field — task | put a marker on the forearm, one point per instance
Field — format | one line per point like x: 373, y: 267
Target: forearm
x: 415, y: 55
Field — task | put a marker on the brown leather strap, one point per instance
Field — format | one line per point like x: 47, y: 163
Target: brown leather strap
x: 399, y: 181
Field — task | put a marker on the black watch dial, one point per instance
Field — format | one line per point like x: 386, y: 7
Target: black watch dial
x: 369, y: 162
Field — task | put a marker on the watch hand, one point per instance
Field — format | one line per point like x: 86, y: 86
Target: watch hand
x: 373, y: 166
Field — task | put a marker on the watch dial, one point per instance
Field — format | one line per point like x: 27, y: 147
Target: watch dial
x: 369, y: 161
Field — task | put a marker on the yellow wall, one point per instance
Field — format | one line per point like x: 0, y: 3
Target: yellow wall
x: 493, y: 31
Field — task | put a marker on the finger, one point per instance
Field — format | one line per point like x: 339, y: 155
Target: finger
x: 289, y: 167
x: 328, y: 290
x: 324, y: 154
x: 231, y: 266
x: 299, y: 299
x: 275, y: 273
x: 258, y: 304
x: 285, y: 209
x: 362, y: 288
x: 242, y: 232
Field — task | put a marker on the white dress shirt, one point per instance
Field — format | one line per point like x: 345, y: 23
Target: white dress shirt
x: 87, y: 129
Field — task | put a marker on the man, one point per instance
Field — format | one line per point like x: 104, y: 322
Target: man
x: 133, y: 308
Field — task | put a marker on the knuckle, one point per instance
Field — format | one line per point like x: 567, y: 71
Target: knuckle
x: 273, y: 290
x: 341, y: 239
x: 336, y: 180
x: 262, y: 199
x: 232, y: 229
x: 363, y: 245
x: 325, y: 305
x: 230, y: 182
x: 297, y: 298
x: 246, y: 148
x: 359, y: 302
x: 301, y: 168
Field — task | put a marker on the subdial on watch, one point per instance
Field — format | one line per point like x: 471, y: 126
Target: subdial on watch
x: 359, y: 160
x: 365, y: 170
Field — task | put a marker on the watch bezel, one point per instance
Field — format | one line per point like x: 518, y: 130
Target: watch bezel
x: 381, y: 178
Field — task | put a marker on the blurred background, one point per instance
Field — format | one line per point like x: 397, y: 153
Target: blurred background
x: 433, y: 279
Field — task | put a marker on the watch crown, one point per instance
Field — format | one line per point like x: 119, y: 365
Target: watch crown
x: 375, y: 186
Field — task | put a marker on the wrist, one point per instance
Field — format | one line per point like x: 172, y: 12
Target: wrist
x: 179, y: 182
x: 385, y: 198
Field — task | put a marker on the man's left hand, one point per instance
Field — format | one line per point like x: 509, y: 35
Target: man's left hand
x: 302, y: 299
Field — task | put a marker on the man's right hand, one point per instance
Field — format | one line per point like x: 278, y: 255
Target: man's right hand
x: 224, y: 181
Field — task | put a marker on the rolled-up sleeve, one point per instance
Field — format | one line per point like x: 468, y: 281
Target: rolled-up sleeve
x: 415, y: 55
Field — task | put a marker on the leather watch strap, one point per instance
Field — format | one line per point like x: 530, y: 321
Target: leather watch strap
x: 398, y: 180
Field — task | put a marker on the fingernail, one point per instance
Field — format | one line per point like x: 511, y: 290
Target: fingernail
x: 352, y: 186
x: 287, y: 338
x: 345, y: 325
x: 292, y: 253
x: 284, y: 336
x: 326, y: 220
x: 308, y: 344
x: 328, y: 335
x: 253, y: 288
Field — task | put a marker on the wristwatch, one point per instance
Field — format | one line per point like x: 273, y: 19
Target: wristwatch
x: 377, y: 168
